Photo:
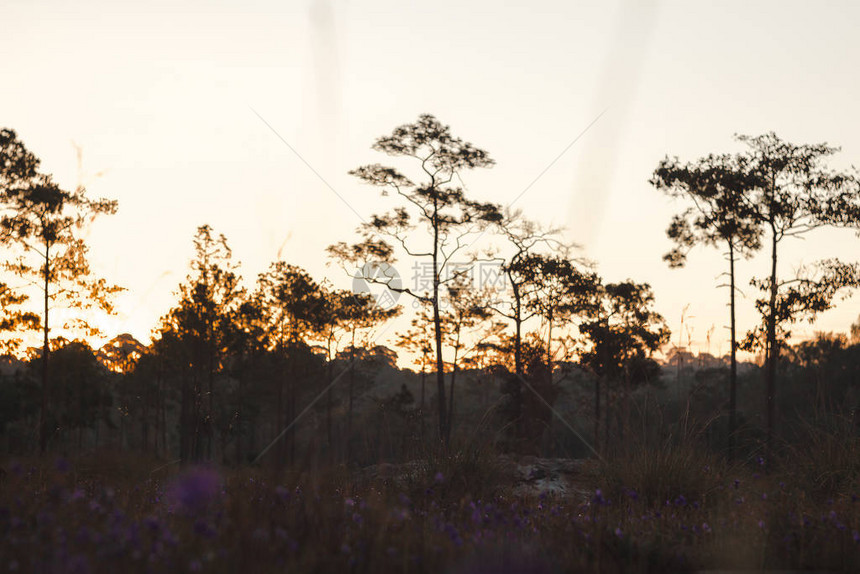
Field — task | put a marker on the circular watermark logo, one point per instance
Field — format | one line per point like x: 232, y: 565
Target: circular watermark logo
x: 380, y: 281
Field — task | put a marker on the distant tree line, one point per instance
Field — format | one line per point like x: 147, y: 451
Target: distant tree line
x: 291, y: 369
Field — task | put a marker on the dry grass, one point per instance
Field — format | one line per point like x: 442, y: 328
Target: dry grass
x: 669, y: 509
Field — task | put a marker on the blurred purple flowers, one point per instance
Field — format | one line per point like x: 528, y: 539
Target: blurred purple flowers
x: 195, y: 489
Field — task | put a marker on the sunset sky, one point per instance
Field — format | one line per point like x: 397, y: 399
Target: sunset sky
x: 165, y: 101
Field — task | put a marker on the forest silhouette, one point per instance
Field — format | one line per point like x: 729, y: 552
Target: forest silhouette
x: 516, y: 346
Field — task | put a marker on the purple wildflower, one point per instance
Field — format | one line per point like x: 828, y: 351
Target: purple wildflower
x: 195, y: 489
x: 453, y: 534
x: 282, y: 492
x: 83, y: 536
x: 201, y: 528
x: 401, y: 514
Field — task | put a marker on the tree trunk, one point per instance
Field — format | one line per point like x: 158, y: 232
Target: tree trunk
x: 597, y: 412
x: 165, y: 448
x: 210, y: 415
x: 518, y: 363
x: 184, y: 420
x: 549, y: 348
x: 351, y: 398
x: 239, y: 411
x: 437, y: 326
x: 328, y: 408
x: 733, y: 367
x: 606, y: 416
x: 144, y: 427
x: 423, y: 387
x: 279, y: 423
x: 43, y: 411
x: 451, y: 396
x: 772, y: 350
x: 518, y: 323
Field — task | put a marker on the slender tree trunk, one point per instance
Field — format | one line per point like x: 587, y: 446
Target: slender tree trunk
x: 98, y: 425
x: 518, y: 338
x: 165, y: 448
x: 184, y: 420
x: 239, y: 411
x: 549, y: 348
x: 539, y: 408
x: 43, y: 411
x: 279, y: 422
x: 606, y: 417
x: 423, y: 387
x: 451, y: 396
x: 351, y: 398
x: 437, y: 326
x: 144, y: 427
x: 210, y: 416
x: 518, y: 362
x: 293, y: 402
x: 440, y: 373
x: 196, y: 444
x: 773, y: 349
x: 597, y: 412
x: 328, y: 408
x: 733, y: 367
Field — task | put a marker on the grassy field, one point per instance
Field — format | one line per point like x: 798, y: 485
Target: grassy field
x: 664, y: 510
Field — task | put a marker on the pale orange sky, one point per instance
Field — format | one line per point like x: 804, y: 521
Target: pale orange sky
x: 161, y: 96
